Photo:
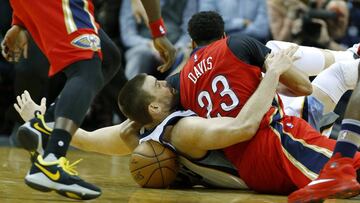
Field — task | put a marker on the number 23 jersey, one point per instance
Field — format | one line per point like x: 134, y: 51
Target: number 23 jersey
x: 219, y: 78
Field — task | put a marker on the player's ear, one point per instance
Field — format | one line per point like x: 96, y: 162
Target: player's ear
x: 193, y: 44
x: 154, y: 109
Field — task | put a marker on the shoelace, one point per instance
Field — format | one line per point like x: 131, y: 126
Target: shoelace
x: 69, y: 168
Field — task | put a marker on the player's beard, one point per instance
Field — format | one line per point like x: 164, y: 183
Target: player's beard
x: 175, y: 102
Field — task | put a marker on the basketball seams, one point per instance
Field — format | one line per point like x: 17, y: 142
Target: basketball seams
x: 144, y: 155
x: 154, y: 171
x: 161, y: 158
x: 154, y: 163
x: 162, y: 176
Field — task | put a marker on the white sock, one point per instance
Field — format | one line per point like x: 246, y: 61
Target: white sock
x: 338, y: 78
x: 50, y: 158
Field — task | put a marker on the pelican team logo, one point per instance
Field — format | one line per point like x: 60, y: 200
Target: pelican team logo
x: 87, y: 41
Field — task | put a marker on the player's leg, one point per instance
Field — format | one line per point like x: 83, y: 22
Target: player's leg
x: 312, y: 60
x: 77, y: 54
x: 35, y: 139
x: 332, y: 83
x: 111, y: 62
x: 328, y: 87
x: 339, y: 168
x: 84, y: 79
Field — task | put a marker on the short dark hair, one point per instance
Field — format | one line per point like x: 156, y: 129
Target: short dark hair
x: 206, y: 26
x: 133, y: 100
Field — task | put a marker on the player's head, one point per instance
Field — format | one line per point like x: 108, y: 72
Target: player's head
x: 145, y: 99
x: 205, y: 27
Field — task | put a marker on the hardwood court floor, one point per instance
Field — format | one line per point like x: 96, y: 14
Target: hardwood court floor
x: 111, y: 174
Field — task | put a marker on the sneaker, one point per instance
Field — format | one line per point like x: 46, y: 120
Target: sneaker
x: 213, y: 177
x: 34, y: 135
x: 336, y: 180
x: 60, y: 176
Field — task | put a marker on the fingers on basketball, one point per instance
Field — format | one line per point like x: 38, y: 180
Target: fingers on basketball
x: 153, y: 165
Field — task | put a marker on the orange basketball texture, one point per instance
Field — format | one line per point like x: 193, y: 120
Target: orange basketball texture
x: 153, y: 165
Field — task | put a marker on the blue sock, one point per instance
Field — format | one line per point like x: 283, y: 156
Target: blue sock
x: 346, y: 149
x: 346, y: 146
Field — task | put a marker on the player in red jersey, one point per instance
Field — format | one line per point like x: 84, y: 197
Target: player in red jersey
x: 285, y: 153
x: 67, y: 34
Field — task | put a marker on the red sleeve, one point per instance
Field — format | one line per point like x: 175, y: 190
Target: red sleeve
x: 16, y: 21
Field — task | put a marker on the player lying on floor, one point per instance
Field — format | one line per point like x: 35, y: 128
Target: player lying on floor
x: 106, y: 140
x: 163, y: 86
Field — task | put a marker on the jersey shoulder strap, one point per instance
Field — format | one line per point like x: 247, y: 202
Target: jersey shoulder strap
x: 157, y: 133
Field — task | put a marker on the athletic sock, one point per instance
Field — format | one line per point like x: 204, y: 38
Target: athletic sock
x: 58, y: 144
x: 349, y: 138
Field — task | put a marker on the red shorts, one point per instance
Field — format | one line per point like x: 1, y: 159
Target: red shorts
x: 65, y: 30
x: 283, y: 156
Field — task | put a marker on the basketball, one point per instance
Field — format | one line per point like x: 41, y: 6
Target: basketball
x: 153, y: 165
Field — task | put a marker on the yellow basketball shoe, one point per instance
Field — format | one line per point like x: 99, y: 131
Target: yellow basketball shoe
x: 60, y: 176
x: 34, y: 135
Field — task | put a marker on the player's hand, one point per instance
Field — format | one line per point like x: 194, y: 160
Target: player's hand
x: 281, y: 61
x: 26, y: 107
x: 15, y: 44
x: 130, y: 127
x: 167, y: 52
x: 139, y: 12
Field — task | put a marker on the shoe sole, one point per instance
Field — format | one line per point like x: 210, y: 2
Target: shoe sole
x: 214, y: 177
x: 351, y: 192
x: 30, y: 139
x: 60, y: 189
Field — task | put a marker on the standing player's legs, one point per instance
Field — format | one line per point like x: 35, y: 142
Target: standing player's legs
x: 35, y: 139
x: 339, y: 169
x: 76, y: 52
x: 84, y: 79
x: 111, y: 62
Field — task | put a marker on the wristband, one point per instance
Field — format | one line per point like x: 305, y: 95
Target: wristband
x: 157, y: 28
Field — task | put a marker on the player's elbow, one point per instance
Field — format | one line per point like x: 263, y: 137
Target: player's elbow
x: 303, y: 89
x: 307, y: 88
x: 249, y: 130
x: 244, y: 132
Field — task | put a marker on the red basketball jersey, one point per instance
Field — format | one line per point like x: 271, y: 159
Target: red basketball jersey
x: 215, y: 82
x: 65, y: 31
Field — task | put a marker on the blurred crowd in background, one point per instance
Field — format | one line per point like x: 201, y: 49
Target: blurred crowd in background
x: 329, y: 24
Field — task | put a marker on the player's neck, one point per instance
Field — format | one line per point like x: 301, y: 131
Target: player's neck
x: 157, y: 121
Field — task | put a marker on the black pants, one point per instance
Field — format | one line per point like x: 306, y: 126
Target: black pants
x: 85, y: 79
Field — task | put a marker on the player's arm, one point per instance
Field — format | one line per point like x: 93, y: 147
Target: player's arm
x: 15, y: 42
x: 207, y: 134
x: 295, y: 80
x: 165, y: 48
x: 254, y: 52
x: 152, y: 8
x: 114, y: 140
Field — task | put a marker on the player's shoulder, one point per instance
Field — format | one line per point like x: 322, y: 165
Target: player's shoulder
x: 240, y: 39
x: 190, y: 123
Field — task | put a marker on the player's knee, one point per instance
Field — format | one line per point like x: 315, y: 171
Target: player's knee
x: 112, y: 59
x: 97, y: 81
x: 350, y: 72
